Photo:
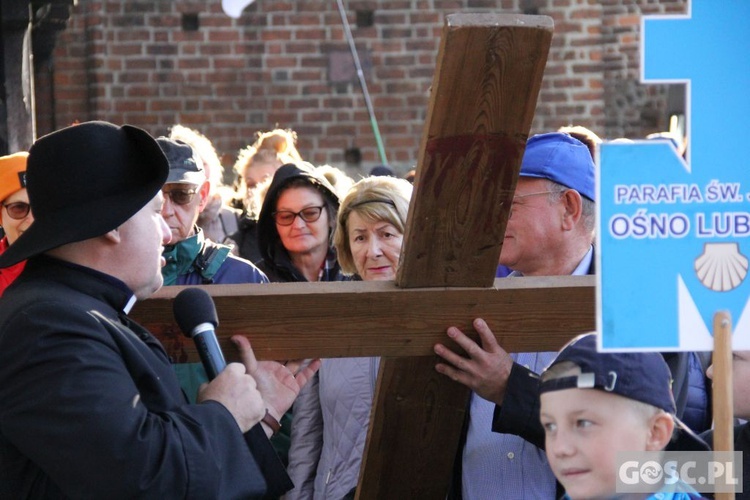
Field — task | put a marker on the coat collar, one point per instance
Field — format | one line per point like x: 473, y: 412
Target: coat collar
x: 98, y: 285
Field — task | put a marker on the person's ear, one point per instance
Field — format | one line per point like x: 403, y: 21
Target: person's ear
x: 573, y: 205
x: 660, y: 431
x: 203, y: 193
x: 113, y: 236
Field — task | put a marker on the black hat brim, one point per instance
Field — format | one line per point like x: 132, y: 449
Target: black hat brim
x: 114, y: 187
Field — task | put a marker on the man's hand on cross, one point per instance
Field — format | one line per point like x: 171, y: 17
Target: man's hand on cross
x: 487, y: 367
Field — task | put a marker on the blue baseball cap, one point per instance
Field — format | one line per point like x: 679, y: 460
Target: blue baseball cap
x: 562, y: 159
x: 641, y: 376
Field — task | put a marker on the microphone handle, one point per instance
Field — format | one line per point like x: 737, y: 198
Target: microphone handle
x: 208, y: 348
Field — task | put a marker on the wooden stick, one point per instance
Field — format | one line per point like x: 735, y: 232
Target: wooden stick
x: 723, y: 403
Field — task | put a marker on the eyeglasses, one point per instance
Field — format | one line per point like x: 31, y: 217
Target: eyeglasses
x: 521, y: 196
x: 180, y: 196
x: 17, y: 210
x: 309, y: 214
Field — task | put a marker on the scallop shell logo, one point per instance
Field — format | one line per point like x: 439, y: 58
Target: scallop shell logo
x: 721, y: 267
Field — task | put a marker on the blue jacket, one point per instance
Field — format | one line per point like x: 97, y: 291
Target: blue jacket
x: 199, y: 261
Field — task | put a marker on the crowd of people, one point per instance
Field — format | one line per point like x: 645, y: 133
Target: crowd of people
x: 97, y: 216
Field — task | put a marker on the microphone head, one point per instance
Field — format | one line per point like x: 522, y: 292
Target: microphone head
x: 194, y: 306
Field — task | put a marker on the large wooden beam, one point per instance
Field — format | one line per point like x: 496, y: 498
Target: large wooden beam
x: 488, y: 75
x: 373, y: 318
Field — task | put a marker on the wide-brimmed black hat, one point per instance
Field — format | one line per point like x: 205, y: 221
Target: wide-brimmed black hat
x: 84, y: 181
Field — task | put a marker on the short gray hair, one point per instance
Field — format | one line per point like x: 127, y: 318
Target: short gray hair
x: 588, y: 207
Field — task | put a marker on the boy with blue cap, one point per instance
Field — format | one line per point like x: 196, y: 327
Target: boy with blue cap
x: 595, y: 405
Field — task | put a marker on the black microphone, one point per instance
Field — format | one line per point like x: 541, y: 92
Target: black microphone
x: 195, y: 313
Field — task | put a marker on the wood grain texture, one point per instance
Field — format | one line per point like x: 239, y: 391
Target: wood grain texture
x: 723, y: 390
x: 374, y: 318
x: 482, y: 103
x: 723, y: 394
x: 414, y: 431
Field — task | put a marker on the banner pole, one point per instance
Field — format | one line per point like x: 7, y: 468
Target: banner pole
x: 723, y: 400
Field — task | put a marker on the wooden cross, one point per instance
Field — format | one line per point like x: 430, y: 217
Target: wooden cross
x: 482, y: 102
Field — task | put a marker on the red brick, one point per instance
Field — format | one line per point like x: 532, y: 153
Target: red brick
x: 126, y: 50
x: 130, y: 105
x: 139, y: 64
x: 310, y: 34
x: 272, y: 35
x: 216, y: 36
x: 629, y: 20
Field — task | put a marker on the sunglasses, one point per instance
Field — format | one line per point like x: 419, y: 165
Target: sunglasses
x: 180, y: 196
x: 17, y: 210
x: 309, y: 214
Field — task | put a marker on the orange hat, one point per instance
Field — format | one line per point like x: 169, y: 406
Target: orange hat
x: 12, y: 173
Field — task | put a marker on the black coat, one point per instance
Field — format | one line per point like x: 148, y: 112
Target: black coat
x: 246, y: 239
x: 91, y: 406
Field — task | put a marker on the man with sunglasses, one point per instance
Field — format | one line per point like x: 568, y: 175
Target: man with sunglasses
x: 191, y: 258
x: 15, y: 216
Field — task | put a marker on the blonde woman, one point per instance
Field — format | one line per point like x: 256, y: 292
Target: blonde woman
x: 255, y: 167
x: 332, y: 413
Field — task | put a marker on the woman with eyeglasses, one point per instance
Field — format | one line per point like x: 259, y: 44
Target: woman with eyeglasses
x: 255, y: 167
x: 15, y: 216
x: 295, y: 226
x: 332, y: 413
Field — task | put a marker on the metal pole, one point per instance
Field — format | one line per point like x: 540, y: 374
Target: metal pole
x: 362, y: 82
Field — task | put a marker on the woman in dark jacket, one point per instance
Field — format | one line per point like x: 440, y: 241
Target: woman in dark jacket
x: 296, y: 225
x: 295, y: 229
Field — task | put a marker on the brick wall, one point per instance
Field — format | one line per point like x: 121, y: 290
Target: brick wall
x: 133, y: 61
